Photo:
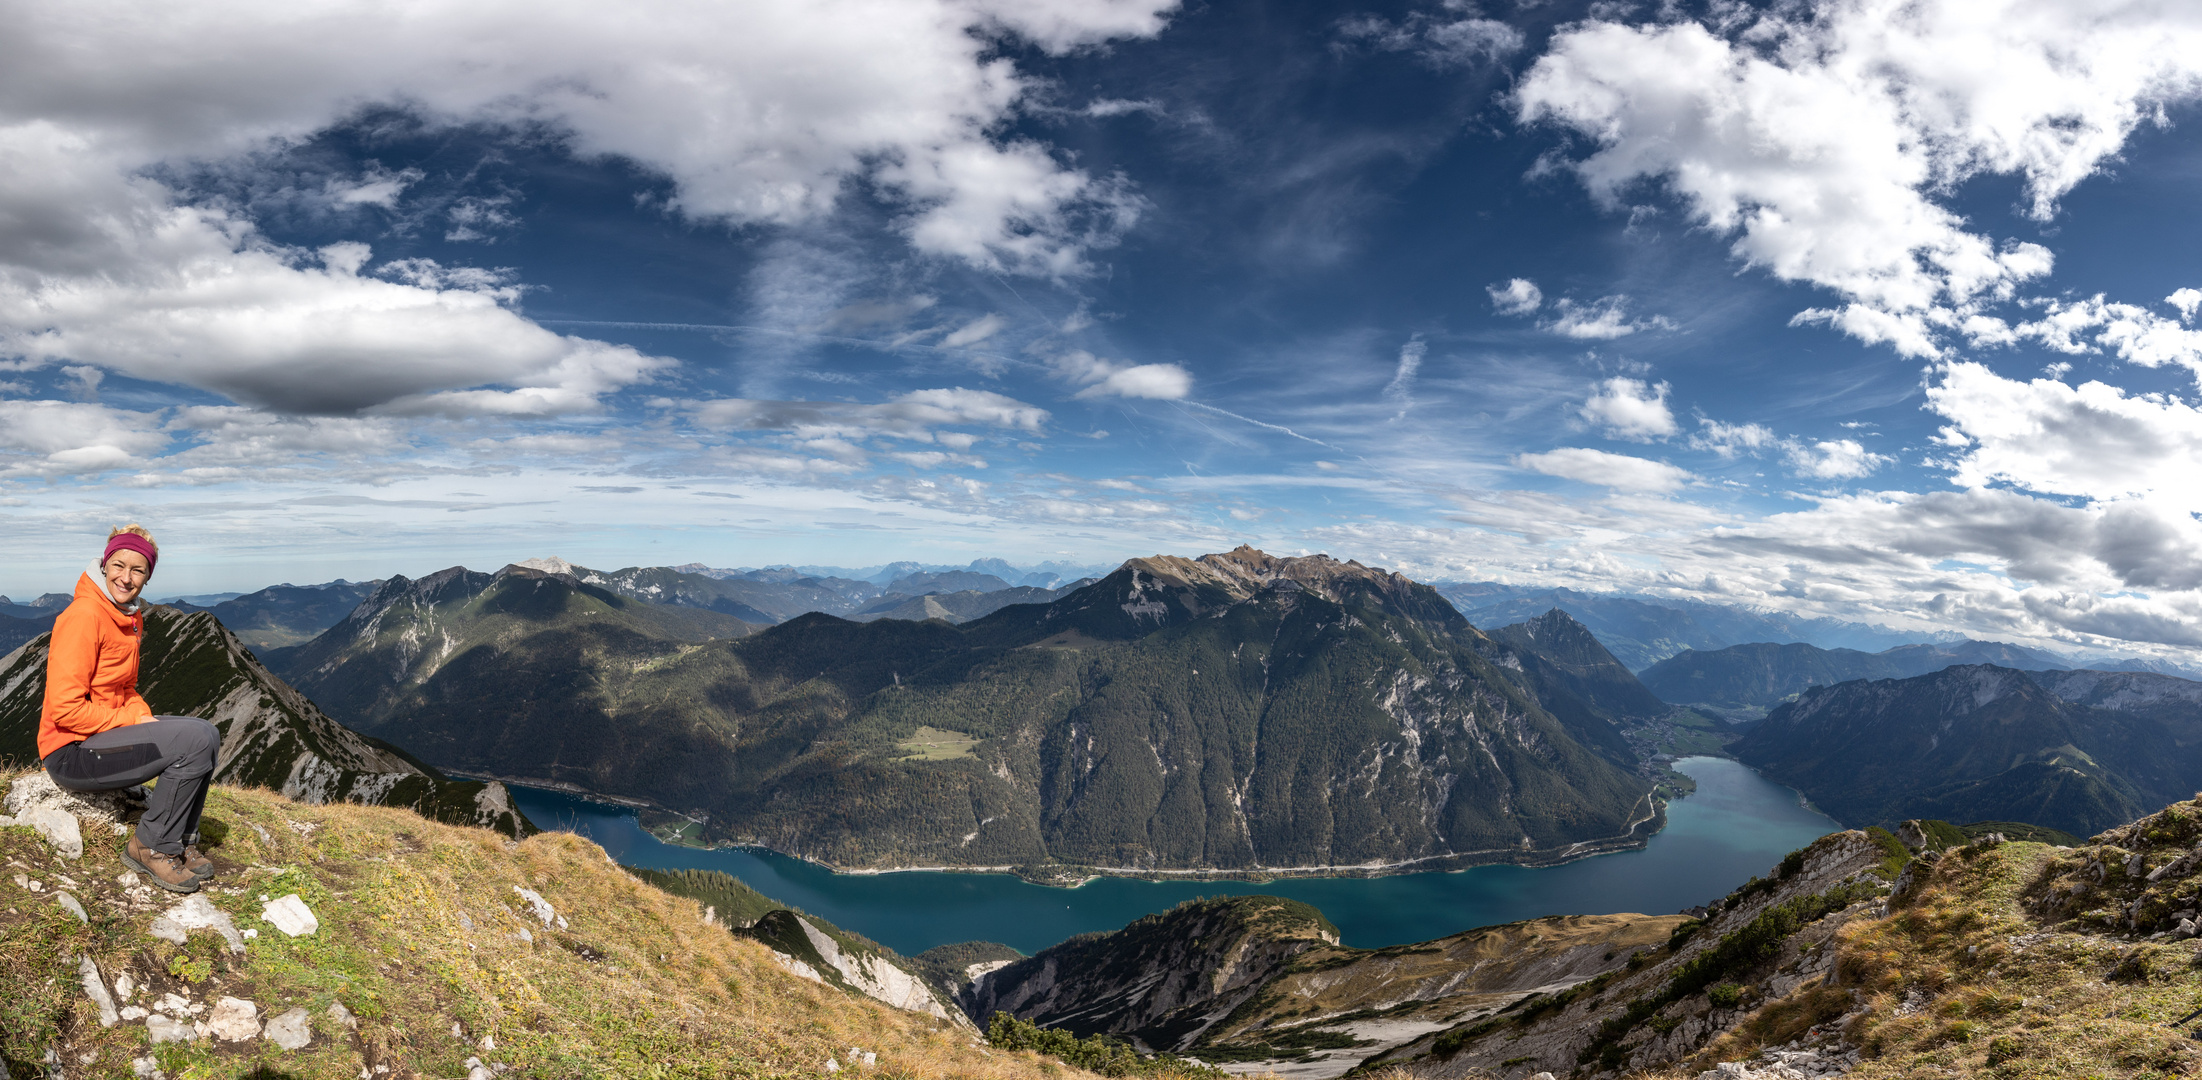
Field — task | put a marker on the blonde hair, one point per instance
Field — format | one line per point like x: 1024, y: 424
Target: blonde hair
x: 138, y: 530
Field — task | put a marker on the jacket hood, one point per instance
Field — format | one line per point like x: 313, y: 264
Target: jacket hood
x: 94, y: 583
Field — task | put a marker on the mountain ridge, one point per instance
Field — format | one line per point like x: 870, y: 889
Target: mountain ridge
x: 1180, y: 715
x: 1764, y: 673
x: 1981, y: 742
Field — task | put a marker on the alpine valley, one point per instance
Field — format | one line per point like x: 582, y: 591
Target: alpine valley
x: 1233, y: 713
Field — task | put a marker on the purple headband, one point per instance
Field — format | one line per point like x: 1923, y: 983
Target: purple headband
x: 132, y: 542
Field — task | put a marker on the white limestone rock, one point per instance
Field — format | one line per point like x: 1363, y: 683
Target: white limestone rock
x: 536, y: 904
x: 167, y: 929
x: 163, y: 1029
x: 291, y: 915
x: 36, y: 789
x: 97, y: 991
x: 58, y: 826
x: 199, y: 913
x: 234, y: 1020
x: 342, y: 1015
x: 875, y: 977
x: 73, y: 906
x: 291, y: 1030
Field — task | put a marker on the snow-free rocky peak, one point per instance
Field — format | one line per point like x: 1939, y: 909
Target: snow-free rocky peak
x: 1244, y: 571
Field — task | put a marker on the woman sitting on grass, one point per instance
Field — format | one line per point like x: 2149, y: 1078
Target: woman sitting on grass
x: 97, y: 734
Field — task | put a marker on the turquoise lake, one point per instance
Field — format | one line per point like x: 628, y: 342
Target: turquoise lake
x: 1735, y: 826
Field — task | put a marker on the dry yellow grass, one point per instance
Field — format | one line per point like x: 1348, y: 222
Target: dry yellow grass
x: 635, y: 984
x: 1967, y: 977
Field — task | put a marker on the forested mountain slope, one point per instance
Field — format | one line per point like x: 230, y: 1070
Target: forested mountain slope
x: 536, y: 637
x: 1234, y: 712
x: 1981, y: 743
x: 281, y: 615
x: 1566, y: 662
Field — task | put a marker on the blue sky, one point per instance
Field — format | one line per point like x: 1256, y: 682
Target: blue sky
x: 1878, y: 311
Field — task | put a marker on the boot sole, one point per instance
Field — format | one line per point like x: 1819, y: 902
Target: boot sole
x: 192, y: 887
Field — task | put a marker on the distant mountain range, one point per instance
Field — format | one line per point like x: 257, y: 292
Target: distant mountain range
x: 21, y: 623
x: 1236, y: 711
x: 2079, y: 751
x: 1641, y: 631
x: 1763, y: 674
x: 765, y: 597
x: 957, y: 607
x: 272, y: 736
x: 1046, y: 575
x: 282, y: 615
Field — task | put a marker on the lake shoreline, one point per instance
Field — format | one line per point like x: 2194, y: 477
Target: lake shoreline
x: 1072, y: 875
x: 1737, y: 825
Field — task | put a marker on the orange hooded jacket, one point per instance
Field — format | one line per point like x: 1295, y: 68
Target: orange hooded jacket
x: 92, y: 669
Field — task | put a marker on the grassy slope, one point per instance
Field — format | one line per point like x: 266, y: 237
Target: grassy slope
x: 638, y: 986
x: 2016, y: 961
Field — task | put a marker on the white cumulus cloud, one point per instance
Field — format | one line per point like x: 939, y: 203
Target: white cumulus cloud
x: 1602, y: 319
x: 754, y: 114
x: 58, y: 438
x: 1102, y: 377
x: 1618, y: 471
x: 1519, y: 296
x: 2092, y: 441
x: 1819, y: 138
x: 1626, y: 408
x: 1835, y: 459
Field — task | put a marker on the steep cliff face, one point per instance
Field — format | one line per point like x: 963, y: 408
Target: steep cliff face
x: 1234, y: 712
x: 272, y: 736
x: 822, y: 952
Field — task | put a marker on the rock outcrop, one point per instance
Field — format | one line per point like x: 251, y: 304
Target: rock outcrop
x: 836, y: 957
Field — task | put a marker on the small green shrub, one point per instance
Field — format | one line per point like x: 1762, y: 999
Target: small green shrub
x: 1725, y: 995
x: 1097, y: 1053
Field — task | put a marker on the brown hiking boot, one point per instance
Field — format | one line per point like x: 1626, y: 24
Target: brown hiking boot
x: 196, y: 861
x: 167, y: 871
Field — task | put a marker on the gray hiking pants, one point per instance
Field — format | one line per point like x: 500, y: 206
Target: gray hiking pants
x: 179, y: 750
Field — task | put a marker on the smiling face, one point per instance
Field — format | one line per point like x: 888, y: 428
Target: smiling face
x: 126, y: 572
